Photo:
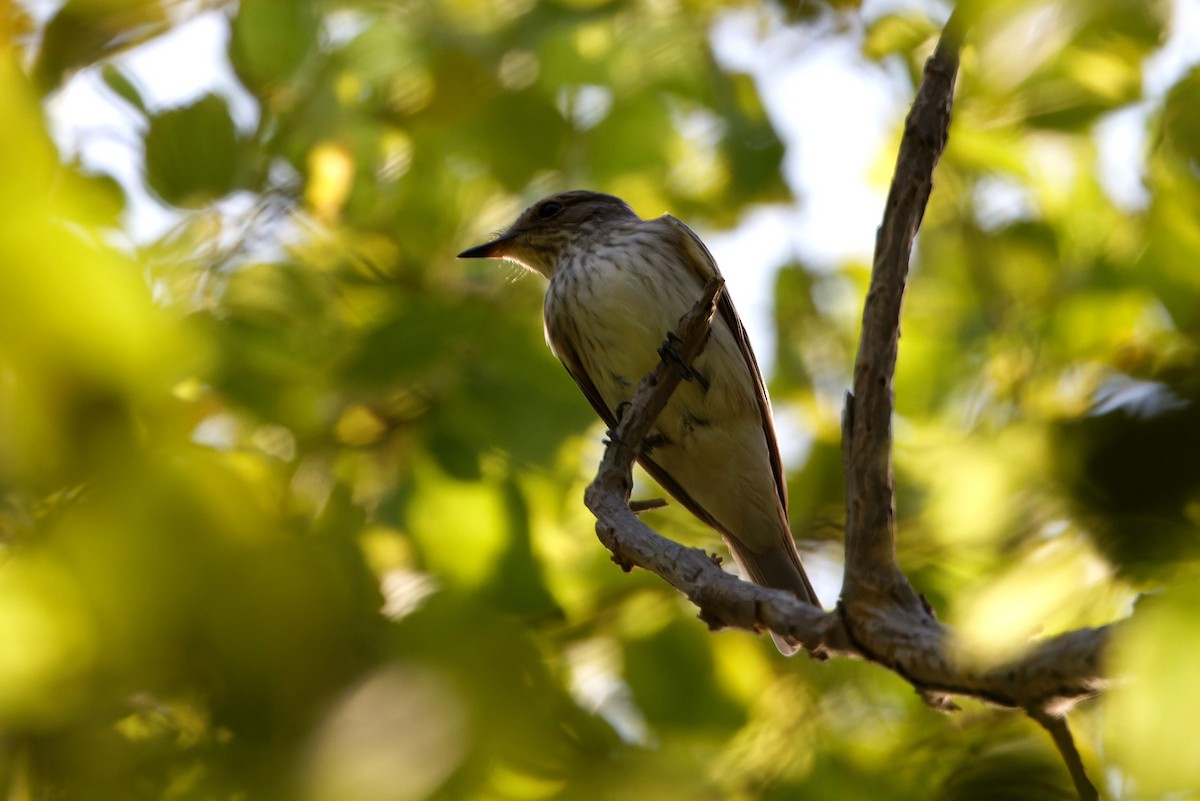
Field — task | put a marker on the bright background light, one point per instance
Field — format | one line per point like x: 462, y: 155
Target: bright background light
x: 833, y: 112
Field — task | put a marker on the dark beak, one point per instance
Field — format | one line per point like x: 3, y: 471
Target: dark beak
x: 488, y: 250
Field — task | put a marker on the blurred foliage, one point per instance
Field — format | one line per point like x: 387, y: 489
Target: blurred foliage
x: 224, y: 451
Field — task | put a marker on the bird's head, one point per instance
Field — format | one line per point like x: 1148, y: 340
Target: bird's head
x: 552, y: 226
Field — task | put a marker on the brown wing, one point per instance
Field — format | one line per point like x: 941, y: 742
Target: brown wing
x: 565, y: 351
x: 706, y: 266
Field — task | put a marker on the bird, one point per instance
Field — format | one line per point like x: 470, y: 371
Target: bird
x: 617, y: 285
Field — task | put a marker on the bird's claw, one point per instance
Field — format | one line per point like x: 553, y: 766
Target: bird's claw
x: 649, y: 442
x: 610, y: 435
x: 669, y: 352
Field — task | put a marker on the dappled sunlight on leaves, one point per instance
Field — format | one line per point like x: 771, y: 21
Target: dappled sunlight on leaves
x: 395, y: 736
x: 1149, y: 726
x: 43, y: 609
x: 290, y: 500
x: 1054, y: 586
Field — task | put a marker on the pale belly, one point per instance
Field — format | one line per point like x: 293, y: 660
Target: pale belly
x: 711, y: 440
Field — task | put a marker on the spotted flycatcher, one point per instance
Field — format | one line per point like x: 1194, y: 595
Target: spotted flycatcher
x: 618, y: 284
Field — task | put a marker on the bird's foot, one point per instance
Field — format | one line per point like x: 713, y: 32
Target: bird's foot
x: 649, y: 442
x: 669, y: 352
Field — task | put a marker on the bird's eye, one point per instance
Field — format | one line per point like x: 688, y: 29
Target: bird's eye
x: 549, y: 209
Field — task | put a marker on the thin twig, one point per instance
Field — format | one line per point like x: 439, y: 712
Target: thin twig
x: 1061, y: 733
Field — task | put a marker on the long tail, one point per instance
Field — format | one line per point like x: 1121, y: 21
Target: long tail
x: 778, y: 568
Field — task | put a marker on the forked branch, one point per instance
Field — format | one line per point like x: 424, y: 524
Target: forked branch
x: 880, y: 617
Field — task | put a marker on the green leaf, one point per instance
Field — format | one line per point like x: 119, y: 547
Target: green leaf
x: 270, y: 41
x: 669, y: 670
x: 83, y: 32
x: 525, y: 133
x: 1181, y: 119
x: 1149, y: 724
x: 517, y: 583
x: 491, y: 381
x: 1131, y: 475
x: 193, y: 153
x: 124, y: 87
x: 897, y: 34
x: 632, y: 138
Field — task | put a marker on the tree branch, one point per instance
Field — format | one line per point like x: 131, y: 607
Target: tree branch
x: 871, y: 565
x: 723, y: 599
x: 1061, y: 732
x: 880, y: 617
x: 1052, y: 674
